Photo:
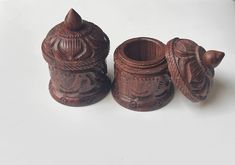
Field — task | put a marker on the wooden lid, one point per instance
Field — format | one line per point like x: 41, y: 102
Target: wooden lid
x: 75, y: 43
x: 192, y: 67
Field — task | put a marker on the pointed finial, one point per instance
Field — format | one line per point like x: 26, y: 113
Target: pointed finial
x: 212, y: 58
x: 73, y: 20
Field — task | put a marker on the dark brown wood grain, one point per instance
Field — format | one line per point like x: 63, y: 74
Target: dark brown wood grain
x: 142, y: 81
x: 145, y: 73
x: 145, y: 69
x: 192, y: 67
x: 75, y: 51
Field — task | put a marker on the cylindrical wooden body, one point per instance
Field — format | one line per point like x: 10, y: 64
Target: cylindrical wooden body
x: 141, y: 78
x: 79, y: 87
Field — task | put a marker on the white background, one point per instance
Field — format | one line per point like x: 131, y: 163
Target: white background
x: 36, y: 130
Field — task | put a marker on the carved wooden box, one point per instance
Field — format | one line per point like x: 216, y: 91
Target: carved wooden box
x: 76, y: 51
x: 146, y: 69
x: 141, y: 81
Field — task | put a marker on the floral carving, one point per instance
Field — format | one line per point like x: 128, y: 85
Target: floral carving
x: 75, y: 51
x: 191, y: 69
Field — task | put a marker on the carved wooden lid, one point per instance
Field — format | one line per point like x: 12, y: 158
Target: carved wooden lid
x: 75, y: 43
x: 192, y: 67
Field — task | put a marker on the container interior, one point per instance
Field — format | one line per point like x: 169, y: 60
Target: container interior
x: 144, y: 50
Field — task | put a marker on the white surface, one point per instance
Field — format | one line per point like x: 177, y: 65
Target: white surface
x: 36, y: 130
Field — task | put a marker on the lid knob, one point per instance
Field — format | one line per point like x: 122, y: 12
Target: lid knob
x: 213, y: 58
x: 73, y: 20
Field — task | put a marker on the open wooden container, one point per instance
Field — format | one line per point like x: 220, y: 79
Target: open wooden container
x: 146, y: 71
